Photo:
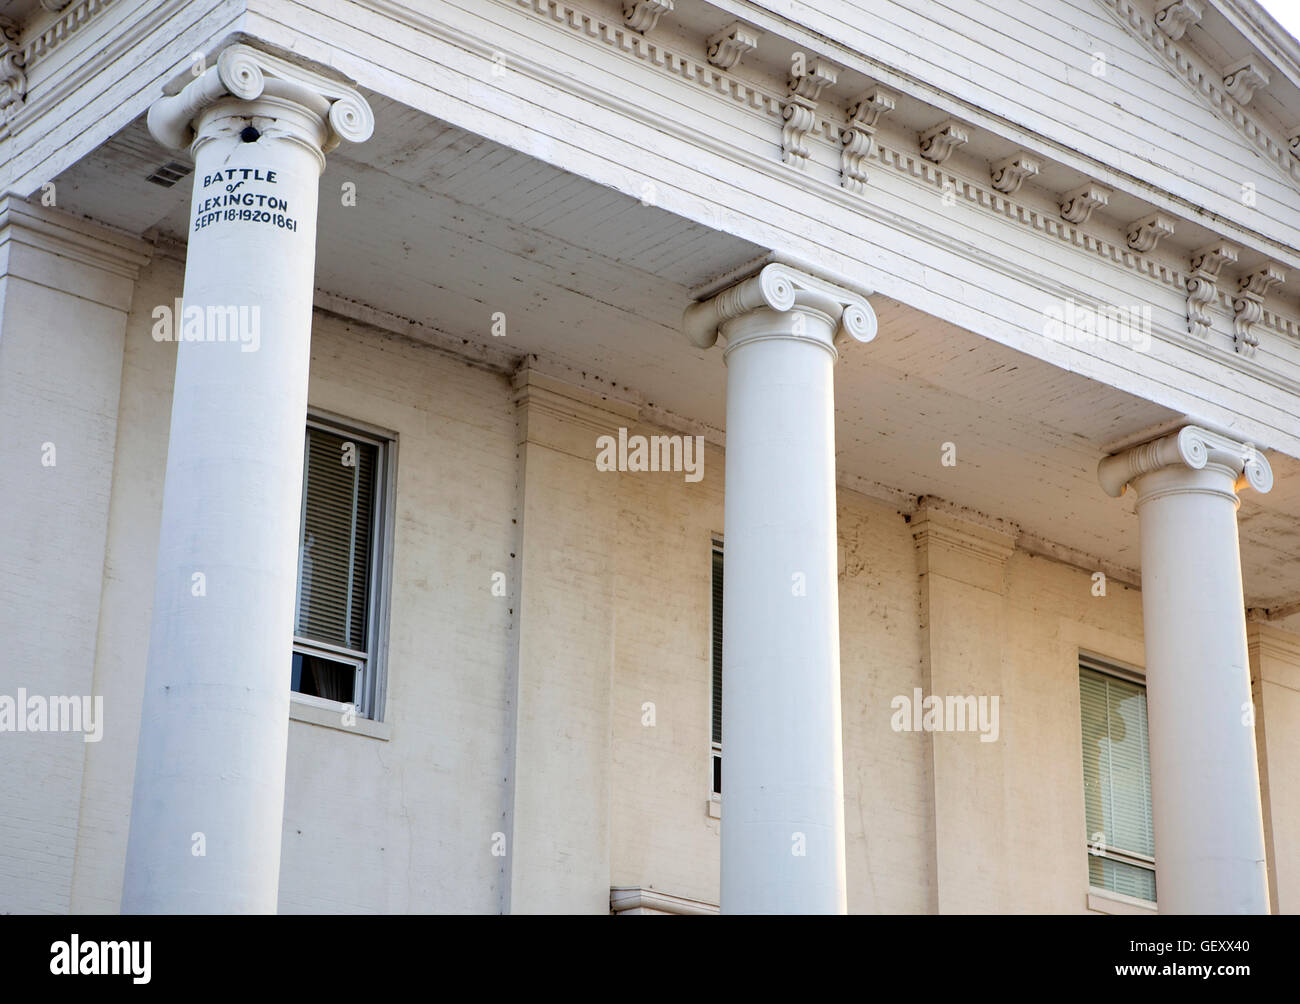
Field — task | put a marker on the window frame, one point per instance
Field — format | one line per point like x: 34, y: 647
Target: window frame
x: 1128, y: 674
x: 715, y: 748
x: 371, y: 688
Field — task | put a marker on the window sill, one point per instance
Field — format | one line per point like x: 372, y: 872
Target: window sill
x: 328, y: 718
x: 1117, y: 904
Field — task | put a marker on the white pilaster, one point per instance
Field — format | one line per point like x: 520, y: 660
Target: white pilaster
x: 1209, y: 837
x: 66, y: 287
x: 214, y: 731
x: 783, y: 787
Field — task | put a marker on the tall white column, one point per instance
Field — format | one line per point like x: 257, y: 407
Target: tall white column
x: 783, y: 783
x: 1209, y: 835
x: 209, y: 785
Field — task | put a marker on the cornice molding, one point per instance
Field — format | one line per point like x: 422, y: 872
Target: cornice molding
x: 1207, y: 83
x: 597, y: 30
x: 1191, y: 447
x: 76, y: 16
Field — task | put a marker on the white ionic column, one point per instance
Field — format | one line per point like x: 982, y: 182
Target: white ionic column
x: 1209, y: 837
x: 209, y: 784
x: 783, y: 784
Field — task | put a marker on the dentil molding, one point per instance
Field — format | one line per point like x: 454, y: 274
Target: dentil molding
x: 1210, y: 85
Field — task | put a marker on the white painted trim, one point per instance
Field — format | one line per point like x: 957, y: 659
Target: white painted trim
x: 890, y: 265
x: 638, y: 900
x: 304, y: 709
x: 1116, y: 903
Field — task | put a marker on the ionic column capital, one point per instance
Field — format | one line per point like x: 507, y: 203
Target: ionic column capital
x: 248, y: 74
x: 785, y: 290
x: 1193, y: 449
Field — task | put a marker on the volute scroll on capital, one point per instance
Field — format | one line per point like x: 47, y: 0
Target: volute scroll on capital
x: 781, y: 288
x: 1194, y: 448
x: 247, y: 74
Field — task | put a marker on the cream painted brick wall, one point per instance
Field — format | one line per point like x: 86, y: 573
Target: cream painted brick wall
x: 887, y: 789
x: 122, y: 646
x: 407, y: 824
x: 62, y: 318
x: 370, y: 826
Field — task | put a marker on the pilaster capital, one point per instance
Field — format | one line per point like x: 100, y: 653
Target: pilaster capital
x: 68, y: 254
x: 1193, y: 449
x: 249, y: 74
x: 785, y: 290
x: 961, y: 546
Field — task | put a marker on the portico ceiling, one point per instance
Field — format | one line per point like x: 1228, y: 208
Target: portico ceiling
x: 449, y: 228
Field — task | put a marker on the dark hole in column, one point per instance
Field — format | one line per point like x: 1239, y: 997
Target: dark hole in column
x: 250, y: 134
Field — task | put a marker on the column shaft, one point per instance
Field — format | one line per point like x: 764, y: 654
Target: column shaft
x: 782, y: 766
x: 1204, y: 776
x: 1205, y: 798
x: 209, y: 791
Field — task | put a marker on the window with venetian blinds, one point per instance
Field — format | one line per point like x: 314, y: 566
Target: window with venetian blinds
x: 1117, y: 784
x: 337, y: 532
x: 717, y: 670
x: 336, y: 572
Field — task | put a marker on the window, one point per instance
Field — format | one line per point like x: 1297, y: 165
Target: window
x: 342, y: 553
x: 715, y: 756
x: 1117, y: 780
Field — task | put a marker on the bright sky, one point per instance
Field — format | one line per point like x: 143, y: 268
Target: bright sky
x: 1285, y: 12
